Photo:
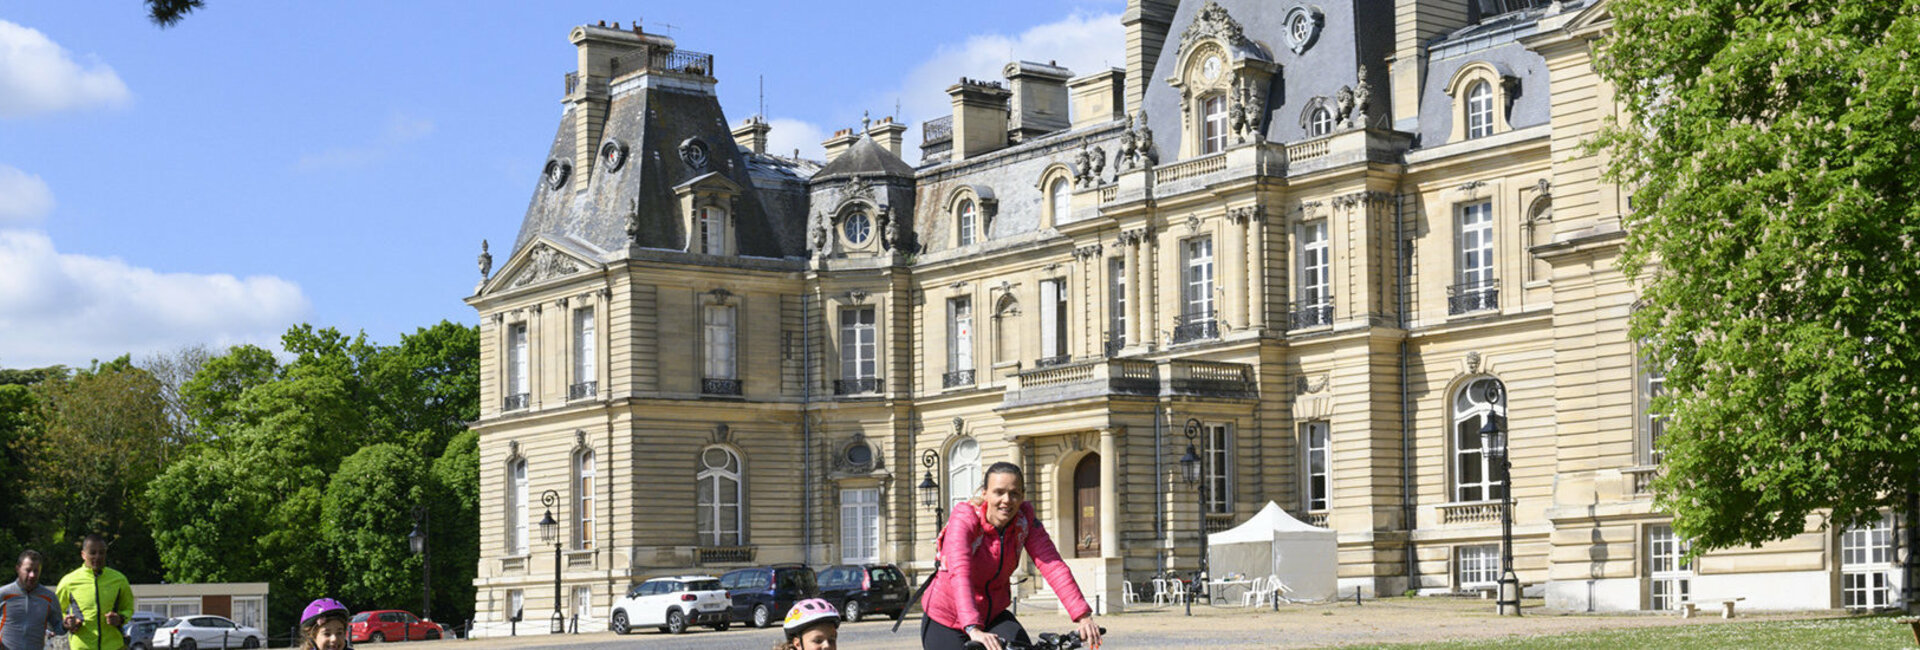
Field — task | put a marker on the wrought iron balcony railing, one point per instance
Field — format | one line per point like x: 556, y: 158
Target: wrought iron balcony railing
x: 957, y: 379
x: 711, y: 386
x: 1473, y: 296
x: 515, y: 402
x: 583, y: 390
x: 856, y: 386
x: 681, y: 61
x: 1312, y: 314
x: 1049, y: 362
x: 1197, y: 326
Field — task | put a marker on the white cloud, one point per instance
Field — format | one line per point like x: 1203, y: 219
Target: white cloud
x: 790, y: 134
x: 37, y: 76
x: 24, y: 198
x: 399, y: 130
x: 66, y: 308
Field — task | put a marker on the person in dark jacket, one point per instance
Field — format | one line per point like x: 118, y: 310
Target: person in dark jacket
x: 28, y: 613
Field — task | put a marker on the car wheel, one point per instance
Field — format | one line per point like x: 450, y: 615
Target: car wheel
x: 762, y: 616
x: 433, y: 635
x: 378, y: 637
x: 619, y: 624
x: 676, y: 622
x: 720, y: 627
x: 250, y: 643
x: 187, y: 644
x: 853, y: 611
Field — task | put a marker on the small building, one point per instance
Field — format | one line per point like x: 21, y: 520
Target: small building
x: 243, y: 602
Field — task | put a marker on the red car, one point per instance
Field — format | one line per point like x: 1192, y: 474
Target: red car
x: 391, y: 625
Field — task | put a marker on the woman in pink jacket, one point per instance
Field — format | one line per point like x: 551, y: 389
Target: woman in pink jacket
x: 979, y: 551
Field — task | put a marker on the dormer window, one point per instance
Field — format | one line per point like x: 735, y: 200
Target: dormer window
x: 1482, y: 94
x: 1214, y: 118
x: 1479, y: 110
x: 713, y: 231
x: 969, y: 218
x: 857, y: 228
x: 1320, y: 122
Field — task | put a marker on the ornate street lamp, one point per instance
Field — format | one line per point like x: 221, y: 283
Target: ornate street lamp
x: 930, y: 492
x: 1493, y: 443
x: 417, y: 541
x: 550, y: 532
x: 1190, y: 469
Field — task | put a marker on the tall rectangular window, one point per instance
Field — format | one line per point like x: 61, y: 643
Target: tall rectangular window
x: 960, y: 334
x: 1670, y: 577
x: 516, y: 604
x: 859, y: 525
x: 1219, y: 468
x: 516, y: 366
x: 719, y: 330
x: 1116, y: 304
x: 1214, y: 113
x: 713, y: 231
x: 1199, y: 279
x: 583, y: 473
x: 1867, y: 566
x: 968, y: 218
x: 517, y: 507
x: 1314, y: 437
x: 1655, y: 423
x: 1476, y: 244
x: 583, y: 601
x: 858, y: 341
x: 1315, y: 285
x: 1053, y: 321
x: 583, y: 353
x: 1477, y: 566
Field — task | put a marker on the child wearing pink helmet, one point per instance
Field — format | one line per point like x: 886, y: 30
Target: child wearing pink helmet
x: 323, y: 625
x: 812, y: 624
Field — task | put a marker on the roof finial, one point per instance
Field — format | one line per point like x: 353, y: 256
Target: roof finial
x: 866, y: 121
x: 486, y: 260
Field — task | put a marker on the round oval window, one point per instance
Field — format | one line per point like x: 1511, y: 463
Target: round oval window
x: 859, y: 455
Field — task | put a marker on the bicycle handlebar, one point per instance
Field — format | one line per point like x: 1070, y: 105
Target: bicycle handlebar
x: 1068, y: 641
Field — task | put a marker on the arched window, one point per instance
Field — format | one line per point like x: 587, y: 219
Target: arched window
x: 969, y: 218
x: 583, y: 499
x: 1479, y: 110
x: 1006, y: 328
x: 720, y: 504
x: 1057, y: 197
x: 1473, y: 476
x: 517, y: 506
x: 1214, y: 113
x: 963, y: 470
x: 1320, y: 122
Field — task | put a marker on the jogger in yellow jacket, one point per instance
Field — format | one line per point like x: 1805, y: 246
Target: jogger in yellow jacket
x: 97, y: 595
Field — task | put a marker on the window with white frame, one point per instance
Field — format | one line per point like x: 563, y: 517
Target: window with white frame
x: 713, y: 231
x: 1653, y: 422
x: 1213, y: 112
x: 1476, y: 566
x: 1867, y: 565
x: 583, y: 353
x: 1059, y: 199
x: 1199, y: 280
x: 1473, y: 472
x: 517, y: 385
x: 1479, y: 110
x: 718, y: 326
x: 1117, y: 302
x: 858, y: 338
x: 1219, y: 454
x: 1476, y: 244
x: 517, y: 507
x: 583, y: 475
x: 1314, y: 439
x: 1669, y: 576
x: 960, y: 334
x: 1053, y: 321
x: 968, y: 217
x: 859, y: 525
x: 250, y: 611
x: 583, y: 601
x: 1320, y: 122
x: 963, y: 470
x: 720, y: 507
x: 1316, y: 295
x: 516, y: 604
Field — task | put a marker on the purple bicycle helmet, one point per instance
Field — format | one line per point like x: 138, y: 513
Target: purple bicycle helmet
x: 322, y: 608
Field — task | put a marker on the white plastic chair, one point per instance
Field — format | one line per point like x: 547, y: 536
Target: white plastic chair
x: 1255, y: 593
x: 1127, y: 596
x: 1163, y: 595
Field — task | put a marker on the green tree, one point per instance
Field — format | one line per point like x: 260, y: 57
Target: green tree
x: 207, y: 514
x: 367, y: 514
x: 167, y: 13
x: 1771, y: 147
x: 454, y: 495
x: 210, y: 398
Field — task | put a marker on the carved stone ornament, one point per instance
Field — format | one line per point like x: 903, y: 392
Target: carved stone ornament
x: 1083, y: 165
x: 486, y: 260
x: 959, y: 424
x: 858, y: 188
x: 1128, y: 155
x: 1148, y: 156
x: 547, y: 264
x: 694, y: 152
x: 613, y: 155
x: 513, y: 448
x: 1473, y: 362
x: 720, y: 296
x: 1212, y: 21
x: 1314, y: 384
x: 1343, y: 108
x: 1245, y: 214
x: 1099, y: 162
x: 1362, y: 98
x: 722, y: 434
x: 1544, y: 187
x: 557, y: 173
x: 1084, y: 253
x: 633, y: 221
x: 1247, y: 113
x: 1193, y: 223
x: 579, y: 437
x: 1356, y: 199
x: 857, y: 295
x: 820, y: 238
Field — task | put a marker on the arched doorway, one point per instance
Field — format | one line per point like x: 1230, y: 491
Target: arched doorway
x: 1086, y: 507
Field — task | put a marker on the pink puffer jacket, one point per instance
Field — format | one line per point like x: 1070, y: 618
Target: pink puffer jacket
x: 976, y: 560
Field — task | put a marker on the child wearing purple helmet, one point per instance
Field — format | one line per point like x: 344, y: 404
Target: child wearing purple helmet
x: 323, y: 626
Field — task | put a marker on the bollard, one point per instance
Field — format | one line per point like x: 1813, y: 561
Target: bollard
x: 223, y: 640
x: 1356, y: 596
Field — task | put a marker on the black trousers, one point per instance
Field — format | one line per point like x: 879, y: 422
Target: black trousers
x: 934, y: 636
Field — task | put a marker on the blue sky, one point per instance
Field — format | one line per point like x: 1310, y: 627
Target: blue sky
x: 268, y: 162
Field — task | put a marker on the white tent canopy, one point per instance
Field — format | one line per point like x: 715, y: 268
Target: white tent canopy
x: 1274, y: 543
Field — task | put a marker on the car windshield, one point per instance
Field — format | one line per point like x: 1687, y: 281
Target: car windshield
x: 171, y: 622
x: 797, y: 580
x: 886, y: 575
x: 704, y: 585
x: 361, y: 617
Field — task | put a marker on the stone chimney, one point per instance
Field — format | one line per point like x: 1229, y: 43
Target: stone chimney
x: 979, y: 117
x: 841, y: 141
x: 605, y: 52
x: 1147, y: 23
x: 1099, y: 98
x: 889, y: 134
x: 1039, y: 98
x: 1421, y: 21
x: 751, y: 135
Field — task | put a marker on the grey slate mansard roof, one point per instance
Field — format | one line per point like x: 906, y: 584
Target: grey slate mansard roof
x: 770, y: 214
x: 866, y: 158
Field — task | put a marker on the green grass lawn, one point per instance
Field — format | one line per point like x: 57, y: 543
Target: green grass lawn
x: 1850, y: 632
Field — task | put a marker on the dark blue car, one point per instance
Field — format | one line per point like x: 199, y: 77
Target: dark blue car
x: 861, y: 589
x: 762, y: 595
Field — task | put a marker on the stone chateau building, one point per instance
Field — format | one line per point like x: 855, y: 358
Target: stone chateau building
x: 1309, y: 234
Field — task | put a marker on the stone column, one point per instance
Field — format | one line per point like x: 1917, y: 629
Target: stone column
x: 1257, y: 268
x: 1142, y: 290
x: 1129, y: 256
x: 1234, y: 249
x: 1109, y: 494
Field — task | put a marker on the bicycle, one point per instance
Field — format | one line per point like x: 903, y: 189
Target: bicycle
x: 1048, y: 641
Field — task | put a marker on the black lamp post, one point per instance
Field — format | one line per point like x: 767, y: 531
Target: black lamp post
x: 1493, y: 443
x: 1190, y: 466
x: 417, y: 541
x: 550, y: 531
x: 930, y: 493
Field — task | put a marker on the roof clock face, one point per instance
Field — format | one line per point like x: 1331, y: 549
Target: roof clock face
x: 857, y: 228
x: 1211, y: 68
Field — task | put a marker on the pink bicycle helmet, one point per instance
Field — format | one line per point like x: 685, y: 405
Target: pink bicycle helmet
x: 808, y: 613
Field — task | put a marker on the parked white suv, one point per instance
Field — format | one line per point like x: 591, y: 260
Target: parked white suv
x: 671, y: 604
